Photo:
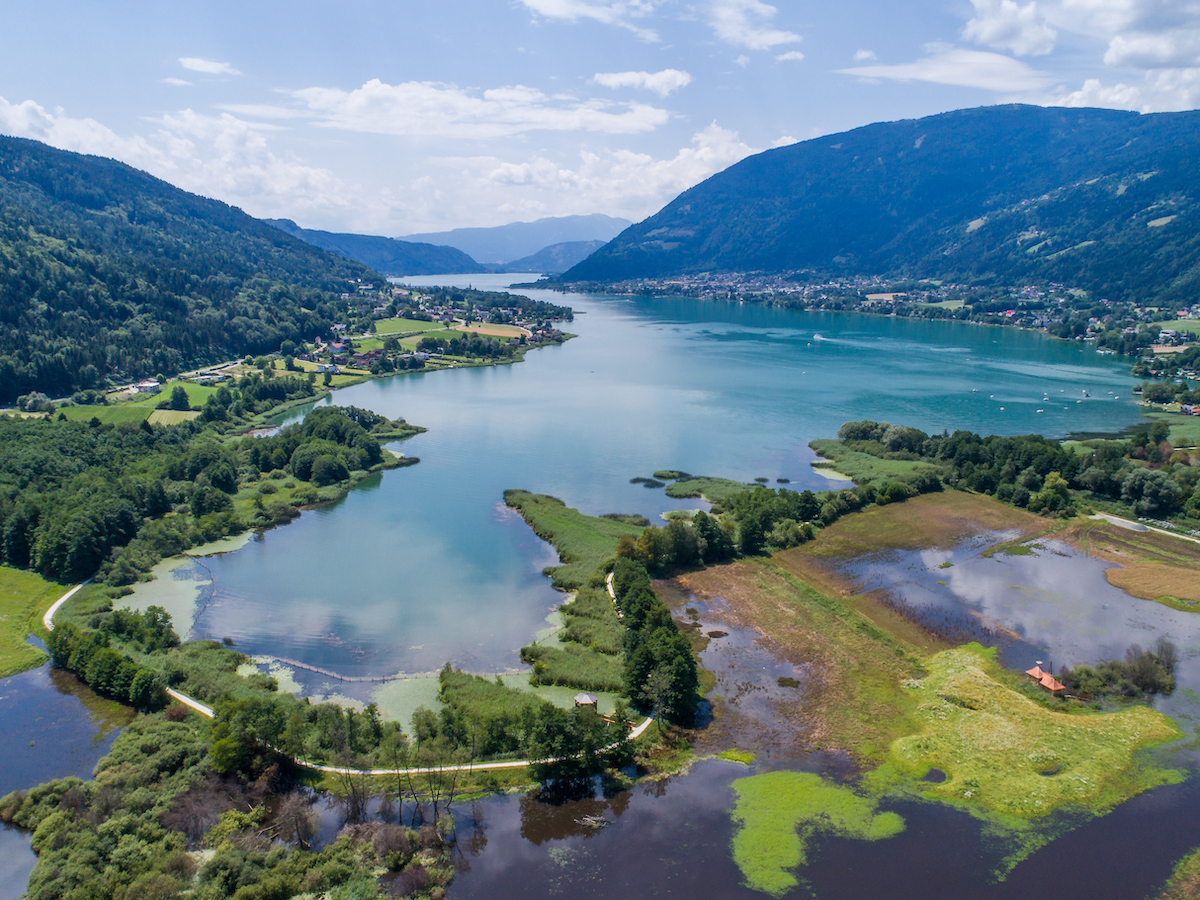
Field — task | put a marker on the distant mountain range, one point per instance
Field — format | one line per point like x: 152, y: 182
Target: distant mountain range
x: 108, y: 272
x: 556, y: 258
x: 1101, y: 199
x: 522, y: 239
x: 387, y: 255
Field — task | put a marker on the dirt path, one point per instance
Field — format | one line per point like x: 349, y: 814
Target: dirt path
x: 48, y: 618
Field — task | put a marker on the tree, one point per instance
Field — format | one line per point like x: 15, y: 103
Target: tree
x: 179, y: 399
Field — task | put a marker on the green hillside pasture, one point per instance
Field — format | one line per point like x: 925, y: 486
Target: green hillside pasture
x: 108, y: 415
x: 24, y: 598
x: 172, y: 416
x: 583, y: 542
x: 410, y: 342
x: 404, y: 326
x: 198, y: 394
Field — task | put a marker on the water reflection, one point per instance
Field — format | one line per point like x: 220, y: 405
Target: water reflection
x: 1054, y: 597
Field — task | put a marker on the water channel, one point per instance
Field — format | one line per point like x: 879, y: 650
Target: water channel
x: 425, y: 565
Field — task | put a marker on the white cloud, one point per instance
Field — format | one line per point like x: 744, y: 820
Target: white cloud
x: 1164, y: 90
x: 1147, y: 50
x: 177, y: 82
x: 864, y: 55
x: 216, y: 156
x: 429, y: 109
x: 743, y: 60
x: 964, y: 68
x: 784, y: 141
x: 615, y: 12
x: 620, y: 182
x: 207, y: 66
x: 746, y: 23
x: 790, y: 55
x: 662, y: 83
x: 1004, y: 25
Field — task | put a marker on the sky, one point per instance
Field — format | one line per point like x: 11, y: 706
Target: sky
x: 394, y: 117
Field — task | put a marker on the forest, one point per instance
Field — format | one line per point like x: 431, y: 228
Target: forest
x: 109, y: 273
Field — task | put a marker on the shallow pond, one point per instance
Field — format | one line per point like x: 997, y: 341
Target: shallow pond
x: 1054, y: 598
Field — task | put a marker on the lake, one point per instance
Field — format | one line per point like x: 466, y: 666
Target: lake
x: 425, y: 565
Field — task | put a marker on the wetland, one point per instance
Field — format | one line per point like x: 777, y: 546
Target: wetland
x: 813, y: 672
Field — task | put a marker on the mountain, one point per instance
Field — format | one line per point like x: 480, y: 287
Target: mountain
x: 387, y: 255
x: 521, y: 239
x: 555, y: 258
x: 107, y: 272
x: 1100, y: 199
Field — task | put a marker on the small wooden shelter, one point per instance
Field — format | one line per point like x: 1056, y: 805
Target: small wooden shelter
x: 1046, y: 680
x: 583, y: 698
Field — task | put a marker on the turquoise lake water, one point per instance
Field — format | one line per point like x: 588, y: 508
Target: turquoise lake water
x: 425, y: 565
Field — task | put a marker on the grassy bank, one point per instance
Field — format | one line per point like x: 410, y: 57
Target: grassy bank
x: 1185, y: 880
x: 24, y: 598
x: 583, y: 542
x: 863, y: 468
x: 1002, y: 751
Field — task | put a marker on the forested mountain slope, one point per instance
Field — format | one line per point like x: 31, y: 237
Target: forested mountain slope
x: 390, y: 256
x: 108, y: 272
x: 1103, y: 199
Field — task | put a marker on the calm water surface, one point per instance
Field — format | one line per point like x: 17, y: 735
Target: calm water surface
x: 425, y: 564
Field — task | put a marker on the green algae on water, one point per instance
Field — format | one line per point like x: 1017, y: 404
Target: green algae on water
x: 780, y: 812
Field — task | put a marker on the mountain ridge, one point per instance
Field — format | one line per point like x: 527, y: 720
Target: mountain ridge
x: 983, y: 194
x: 107, y: 272
x: 391, y: 256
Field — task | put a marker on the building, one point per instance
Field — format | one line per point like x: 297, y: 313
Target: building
x: 148, y: 386
x: 1047, y: 681
x: 583, y: 698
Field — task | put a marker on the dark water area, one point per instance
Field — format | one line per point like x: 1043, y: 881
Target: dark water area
x: 672, y: 839
x: 51, y: 726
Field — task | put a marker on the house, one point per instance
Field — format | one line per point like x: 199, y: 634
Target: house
x: 148, y: 386
x: 583, y: 698
x: 1047, y: 681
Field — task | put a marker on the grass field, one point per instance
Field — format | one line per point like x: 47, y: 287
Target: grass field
x: 862, y: 467
x: 24, y: 598
x: 778, y: 814
x: 1008, y: 754
x: 1185, y: 430
x: 171, y: 416
x: 502, y: 331
x: 403, y: 326
x: 930, y: 520
x: 583, y: 542
x: 198, y: 394
x: 108, y: 415
x: 1191, y: 326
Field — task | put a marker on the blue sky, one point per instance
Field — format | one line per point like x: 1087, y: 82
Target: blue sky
x: 397, y: 117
